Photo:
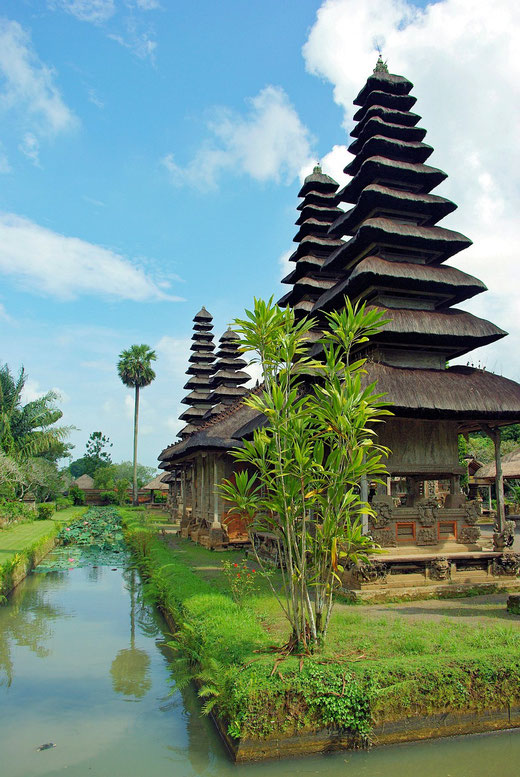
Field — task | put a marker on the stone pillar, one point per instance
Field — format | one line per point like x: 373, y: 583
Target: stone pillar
x: 216, y: 532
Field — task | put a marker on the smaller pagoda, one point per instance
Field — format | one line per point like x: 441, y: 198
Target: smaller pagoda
x: 318, y: 212
x: 227, y: 382
x: 200, y: 370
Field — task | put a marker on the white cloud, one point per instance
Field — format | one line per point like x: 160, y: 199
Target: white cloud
x: 94, y: 11
x: 174, y: 353
x: 32, y: 391
x: 147, y: 5
x: 48, y: 263
x: 29, y: 83
x: 285, y: 265
x: 267, y: 143
x: 30, y: 147
x: 462, y: 58
x: 4, y: 315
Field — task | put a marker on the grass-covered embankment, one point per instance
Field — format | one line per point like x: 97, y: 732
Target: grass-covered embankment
x: 374, y: 670
x: 24, y: 545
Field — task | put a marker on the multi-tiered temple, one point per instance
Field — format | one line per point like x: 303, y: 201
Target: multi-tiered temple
x: 227, y: 382
x: 200, y: 370
x: 318, y: 212
x: 389, y: 251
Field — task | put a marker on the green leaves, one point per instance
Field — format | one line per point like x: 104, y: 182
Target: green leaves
x: 134, y: 366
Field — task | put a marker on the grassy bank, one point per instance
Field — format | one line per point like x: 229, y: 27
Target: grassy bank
x: 23, y: 546
x: 373, y: 669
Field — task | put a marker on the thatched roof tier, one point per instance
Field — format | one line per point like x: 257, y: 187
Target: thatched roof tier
x: 327, y: 212
x: 377, y: 200
x: 433, y: 244
x: 318, y: 181
x: 193, y: 413
x: 306, y: 285
x: 202, y: 345
x: 444, y: 284
x: 170, y: 477
x: 383, y: 82
x: 375, y: 125
x: 198, y: 382
x: 313, y: 226
x: 454, y: 331
x: 462, y: 393
x: 399, y: 102
x: 230, y: 362
x: 392, y: 148
x: 394, y: 173
x: 234, y: 376
x: 199, y: 357
x: 202, y: 328
x: 406, y: 118
x: 510, y: 467
x: 203, y: 316
x: 195, y: 398
x: 316, y: 245
x: 318, y: 198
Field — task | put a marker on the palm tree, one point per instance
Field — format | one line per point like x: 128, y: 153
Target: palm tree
x: 134, y: 368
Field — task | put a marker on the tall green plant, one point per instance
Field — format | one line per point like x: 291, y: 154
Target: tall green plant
x: 135, y: 370
x: 302, y: 482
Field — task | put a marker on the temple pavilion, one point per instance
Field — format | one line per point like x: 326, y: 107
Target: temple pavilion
x: 378, y: 240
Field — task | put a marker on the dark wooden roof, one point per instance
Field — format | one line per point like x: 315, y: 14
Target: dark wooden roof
x: 400, y: 102
x: 383, y: 82
x: 435, y: 243
x: 460, y: 393
x: 393, y: 148
x: 427, y: 208
x: 390, y: 115
x: 318, y: 181
x: 375, y: 125
x: 379, y: 169
x: 203, y: 316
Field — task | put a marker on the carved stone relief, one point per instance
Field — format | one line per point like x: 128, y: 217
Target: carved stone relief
x: 440, y: 569
x: 468, y: 535
x: 471, y: 513
x: 427, y: 536
x: 504, y: 539
x: 428, y: 509
x: 372, y: 572
x: 383, y: 514
x: 384, y: 537
x: 507, y: 565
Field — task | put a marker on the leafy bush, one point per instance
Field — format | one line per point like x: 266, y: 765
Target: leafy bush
x: 109, y: 497
x: 15, y: 512
x: 242, y: 581
x: 44, y: 511
x: 121, y: 489
x: 62, y: 502
x: 160, y: 498
x: 77, y: 495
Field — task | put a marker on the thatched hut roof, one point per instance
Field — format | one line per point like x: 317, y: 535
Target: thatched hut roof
x: 84, y: 481
x: 157, y: 484
x: 510, y: 467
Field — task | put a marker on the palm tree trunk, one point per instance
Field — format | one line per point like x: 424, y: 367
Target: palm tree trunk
x: 136, y: 422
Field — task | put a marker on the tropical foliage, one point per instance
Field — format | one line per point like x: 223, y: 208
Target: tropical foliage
x: 303, y: 475
x: 30, y: 440
x: 135, y: 370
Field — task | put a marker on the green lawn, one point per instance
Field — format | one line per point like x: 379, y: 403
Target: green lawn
x: 366, y: 633
x: 16, y: 539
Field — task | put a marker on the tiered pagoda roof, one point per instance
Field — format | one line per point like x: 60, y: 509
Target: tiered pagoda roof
x: 318, y: 212
x: 200, y: 370
x: 394, y: 253
x: 227, y: 382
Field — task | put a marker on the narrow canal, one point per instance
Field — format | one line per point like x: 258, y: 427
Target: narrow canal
x: 83, y: 665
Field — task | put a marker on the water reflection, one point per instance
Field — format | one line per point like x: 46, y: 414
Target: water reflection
x: 130, y: 669
x: 26, y: 622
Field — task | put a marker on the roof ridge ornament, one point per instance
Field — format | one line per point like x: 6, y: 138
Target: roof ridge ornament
x: 381, y: 65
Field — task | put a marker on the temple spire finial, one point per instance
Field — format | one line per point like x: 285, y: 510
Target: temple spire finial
x: 381, y: 65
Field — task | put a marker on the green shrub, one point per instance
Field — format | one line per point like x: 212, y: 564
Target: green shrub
x: 44, y: 511
x: 15, y: 512
x: 109, y: 497
x: 62, y: 502
x: 160, y: 498
x: 77, y: 495
x: 121, y: 489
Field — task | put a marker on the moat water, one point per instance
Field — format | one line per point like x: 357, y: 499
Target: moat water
x: 83, y: 665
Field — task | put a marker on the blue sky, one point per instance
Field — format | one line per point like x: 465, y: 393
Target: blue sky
x: 150, y: 159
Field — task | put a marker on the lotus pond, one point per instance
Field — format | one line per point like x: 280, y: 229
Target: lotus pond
x: 83, y: 665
